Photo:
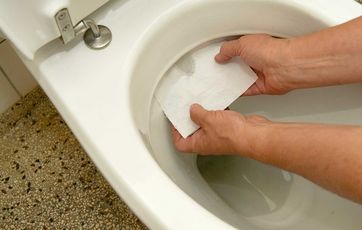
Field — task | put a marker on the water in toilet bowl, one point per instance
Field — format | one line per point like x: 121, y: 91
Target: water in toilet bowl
x: 238, y: 178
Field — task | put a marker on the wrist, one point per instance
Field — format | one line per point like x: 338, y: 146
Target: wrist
x: 308, y: 63
x: 260, y: 142
x: 280, y: 65
x: 295, y: 65
x: 255, y: 138
x: 287, y: 69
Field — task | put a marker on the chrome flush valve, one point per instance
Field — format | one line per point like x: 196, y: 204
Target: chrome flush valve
x: 95, y: 36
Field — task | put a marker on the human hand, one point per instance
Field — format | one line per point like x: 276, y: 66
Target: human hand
x: 266, y: 56
x: 221, y: 132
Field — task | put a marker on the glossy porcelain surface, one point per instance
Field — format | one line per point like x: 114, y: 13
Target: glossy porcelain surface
x: 34, y: 23
x: 106, y: 97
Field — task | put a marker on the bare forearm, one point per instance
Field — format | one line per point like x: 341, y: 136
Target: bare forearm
x: 329, y: 57
x: 328, y: 155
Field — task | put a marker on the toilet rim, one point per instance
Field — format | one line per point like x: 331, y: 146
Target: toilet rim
x: 161, y: 21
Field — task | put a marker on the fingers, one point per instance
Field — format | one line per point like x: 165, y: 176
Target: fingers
x: 252, y: 91
x: 181, y: 144
x: 176, y: 136
x: 198, y: 114
x: 228, y: 50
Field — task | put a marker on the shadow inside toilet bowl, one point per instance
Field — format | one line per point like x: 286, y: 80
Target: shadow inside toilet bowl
x: 249, y: 187
x: 238, y: 179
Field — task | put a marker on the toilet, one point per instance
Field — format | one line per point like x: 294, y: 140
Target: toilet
x: 106, y: 96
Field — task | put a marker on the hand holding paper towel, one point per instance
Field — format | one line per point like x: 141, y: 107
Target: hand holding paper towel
x: 197, y: 78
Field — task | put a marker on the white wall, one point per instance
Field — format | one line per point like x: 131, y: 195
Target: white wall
x: 8, y: 95
x: 15, y: 80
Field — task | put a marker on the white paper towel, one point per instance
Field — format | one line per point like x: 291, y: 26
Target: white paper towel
x: 197, y: 78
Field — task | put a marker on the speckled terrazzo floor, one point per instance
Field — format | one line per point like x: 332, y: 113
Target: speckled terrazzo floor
x: 46, y: 179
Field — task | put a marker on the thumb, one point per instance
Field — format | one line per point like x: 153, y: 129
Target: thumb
x: 198, y: 114
x: 228, y: 50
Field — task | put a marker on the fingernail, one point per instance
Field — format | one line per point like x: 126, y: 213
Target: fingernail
x: 217, y: 57
x: 194, y: 106
x: 221, y: 59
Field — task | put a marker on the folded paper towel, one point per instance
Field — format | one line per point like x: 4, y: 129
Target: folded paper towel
x: 197, y: 78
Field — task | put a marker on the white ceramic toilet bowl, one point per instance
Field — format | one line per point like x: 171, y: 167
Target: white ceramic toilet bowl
x: 106, y: 97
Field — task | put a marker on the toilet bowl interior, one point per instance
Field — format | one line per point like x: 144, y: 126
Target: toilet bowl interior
x: 247, y: 193
x: 242, y: 192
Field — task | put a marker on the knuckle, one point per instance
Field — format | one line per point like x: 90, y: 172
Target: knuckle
x: 210, y: 117
x: 207, y: 120
x: 181, y: 148
x: 224, y: 48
